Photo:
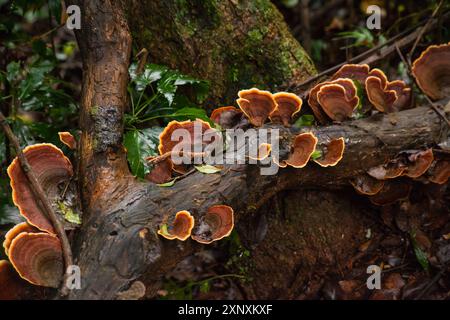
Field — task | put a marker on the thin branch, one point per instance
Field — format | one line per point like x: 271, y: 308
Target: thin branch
x: 41, y: 198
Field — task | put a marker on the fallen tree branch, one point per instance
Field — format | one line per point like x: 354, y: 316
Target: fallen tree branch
x: 41, y: 198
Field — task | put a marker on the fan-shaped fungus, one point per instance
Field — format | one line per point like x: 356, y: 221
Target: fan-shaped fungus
x: 257, y: 105
x: 440, y: 172
x: 288, y: 104
x: 180, y: 228
x: 161, y: 172
x: 332, y: 153
x: 302, y: 148
x: 432, y: 71
x: 392, y: 191
x: 226, y: 117
x: 336, y: 102
x: 390, y: 170
x: 15, y: 231
x: 12, y: 287
x: 365, y: 184
x: 37, y: 257
x: 52, y: 170
x: 68, y: 139
x: 419, y: 162
x: 358, y: 72
x: 217, y: 223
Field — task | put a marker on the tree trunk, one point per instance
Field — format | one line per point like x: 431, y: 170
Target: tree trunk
x: 118, y: 244
x: 233, y: 44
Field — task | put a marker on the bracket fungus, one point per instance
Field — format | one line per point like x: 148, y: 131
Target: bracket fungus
x: 367, y: 185
x: 167, y: 141
x: 257, y: 105
x: 440, y: 171
x: 358, y: 72
x: 390, y: 170
x: 180, y: 228
x: 337, y: 101
x: 15, y: 231
x: 161, y: 172
x: 53, y: 171
x: 418, y: 163
x: 432, y: 71
x: 37, y: 257
x: 302, y: 148
x: 216, y: 224
x: 13, y: 287
x: 331, y: 153
x: 68, y: 139
x: 264, y: 150
x: 226, y: 117
x: 392, y: 191
x: 288, y: 104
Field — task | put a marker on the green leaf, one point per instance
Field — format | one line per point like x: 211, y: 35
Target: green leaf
x: 141, y: 144
x: 207, y: 169
x: 205, y: 287
x: 150, y: 74
x: 421, y: 256
x: 305, y: 120
x: 167, y: 184
x: 12, y: 71
x: 69, y: 214
x: 316, y: 155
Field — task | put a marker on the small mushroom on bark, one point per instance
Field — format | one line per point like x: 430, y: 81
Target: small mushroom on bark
x: 53, y: 171
x: 390, y: 170
x: 288, y: 104
x: 161, y: 172
x: 440, y: 171
x: 226, y: 117
x: 216, y: 224
x: 418, y: 163
x: 392, y: 191
x: 257, y: 105
x: 264, y: 150
x: 367, y: 185
x: 358, y: 72
x: 37, y: 257
x: 337, y: 102
x: 432, y: 71
x: 180, y: 228
x: 302, y: 148
x: 15, y: 231
x: 331, y: 153
x: 68, y: 139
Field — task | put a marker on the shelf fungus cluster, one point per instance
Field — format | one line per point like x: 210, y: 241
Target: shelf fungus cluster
x: 392, y: 181
x: 354, y: 88
x: 214, y: 225
x: 32, y: 247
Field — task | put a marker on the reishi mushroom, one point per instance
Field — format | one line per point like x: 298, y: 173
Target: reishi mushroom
x: 15, y: 231
x: 216, y: 224
x: 52, y: 169
x: 432, y: 71
x: 302, y: 148
x: 332, y: 153
x: 257, y: 105
x: 180, y: 228
x: 68, y: 139
x: 37, y: 257
x: 288, y: 104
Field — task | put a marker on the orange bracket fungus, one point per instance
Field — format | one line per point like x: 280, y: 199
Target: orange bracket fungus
x: 167, y: 143
x: 68, y: 139
x: 337, y: 102
x: 15, y: 231
x: 432, y: 71
x: 37, y: 257
x: 288, y: 104
x: 392, y: 191
x: 358, y: 72
x: 440, y: 171
x: 180, y: 228
x: 365, y: 184
x: 217, y: 223
x: 53, y: 171
x: 390, y: 170
x: 257, y: 105
x: 264, y: 150
x: 418, y: 163
x: 332, y: 153
x: 301, y: 150
x: 161, y: 172
x: 12, y: 287
x: 226, y: 117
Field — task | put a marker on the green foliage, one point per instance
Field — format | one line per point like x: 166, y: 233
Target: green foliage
x: 316, y: 155
x: 208, y: 169
x: 421, y: 256
x: 361, y: 37
x: 304, y: 121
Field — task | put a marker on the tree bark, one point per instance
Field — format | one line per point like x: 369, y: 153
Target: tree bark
x: 117, y: 243
x: 232, y: 44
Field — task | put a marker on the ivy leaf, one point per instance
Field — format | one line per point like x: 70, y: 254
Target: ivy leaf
x: 141, y: 144
x: 304, y: 121
x: 208, y: 169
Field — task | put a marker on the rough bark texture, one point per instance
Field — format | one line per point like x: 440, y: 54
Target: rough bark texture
x: 234, y: 44
x: 118, y: 244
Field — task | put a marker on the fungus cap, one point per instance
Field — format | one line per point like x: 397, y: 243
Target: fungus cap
x: 52, y: 169
x: 336, y: 102
x: 334, y: 152
x: 264, y: 150
x: 68, y: 139
x: 226, y: 117
x: 216, y: 224
x: 257, y: 105
x: 392, y: 191
x: 419, y: 163
x: 161, y: 172
x: 367, y: 185
x: 15, y: 231
x: 180, y: 228
x: 37, y: 257
x: 288, y: 104
x: 302, y: 148
x: 358, y: 72
x: 440, y: 172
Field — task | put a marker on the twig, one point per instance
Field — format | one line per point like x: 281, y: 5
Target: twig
x: 422, y: 32
x: 41, y: 198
